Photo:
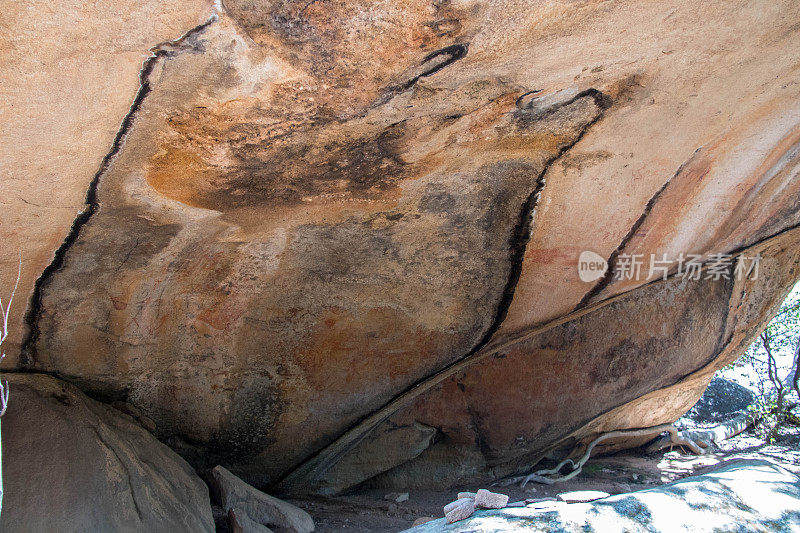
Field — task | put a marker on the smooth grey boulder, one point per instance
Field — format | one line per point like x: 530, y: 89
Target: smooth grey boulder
x: 253, y: 507
x: 242, y: 523
x: 740, y: 495
x: 73, y: 464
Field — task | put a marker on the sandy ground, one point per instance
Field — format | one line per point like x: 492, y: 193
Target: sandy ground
x: 623, y: 472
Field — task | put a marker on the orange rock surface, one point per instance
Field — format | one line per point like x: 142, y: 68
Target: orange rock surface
x: 324, y: 224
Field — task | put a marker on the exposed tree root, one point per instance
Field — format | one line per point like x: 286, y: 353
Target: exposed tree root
x: 552, y: 475
x: 705, y: 437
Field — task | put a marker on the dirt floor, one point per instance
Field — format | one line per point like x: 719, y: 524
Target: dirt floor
x: 623, y: 472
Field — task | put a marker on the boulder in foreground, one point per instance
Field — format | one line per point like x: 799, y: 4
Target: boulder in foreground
x: 249, y: 505
x: 73, y: 464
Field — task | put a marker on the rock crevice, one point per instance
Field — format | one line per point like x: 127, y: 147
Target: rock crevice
x: 166, y: 49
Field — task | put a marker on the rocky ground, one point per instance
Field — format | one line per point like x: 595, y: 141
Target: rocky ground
x: 615, y: 474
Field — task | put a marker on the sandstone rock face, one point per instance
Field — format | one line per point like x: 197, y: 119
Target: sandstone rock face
x: 382, y: 450
x: 324, y: 224
x: 629, y: 378
x: 69, y: 73
x: 73, y: 464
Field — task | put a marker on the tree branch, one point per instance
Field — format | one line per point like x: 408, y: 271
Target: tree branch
x: 796, y: 368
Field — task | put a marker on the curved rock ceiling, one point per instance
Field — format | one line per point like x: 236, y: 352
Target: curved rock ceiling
x: 336, y: 241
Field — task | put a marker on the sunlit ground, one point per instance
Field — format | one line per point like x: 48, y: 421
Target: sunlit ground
x: 738, y: 496
x: 754, y: 376
x: 675, y: 464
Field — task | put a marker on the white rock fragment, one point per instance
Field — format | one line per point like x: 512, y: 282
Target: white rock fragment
x: 582, y: 496
x: 452, y: 505
x: 466, y: 495
x: 460, y: 512
x: 490, y: 500
x: 539, y: 500
x: 398, y: 497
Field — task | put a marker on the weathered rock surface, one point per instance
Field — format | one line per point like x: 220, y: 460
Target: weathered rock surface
x: 69, y: 74
x: 485, y: 499
x: 327, y: 223
x: 241, y: 522
x: 595, y: 370
x: 457, y: 503
x: 381, y: 450
x: 73, y: 464
x: 251, y: 507
x: 459, y: 510
x: 744, y: 495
